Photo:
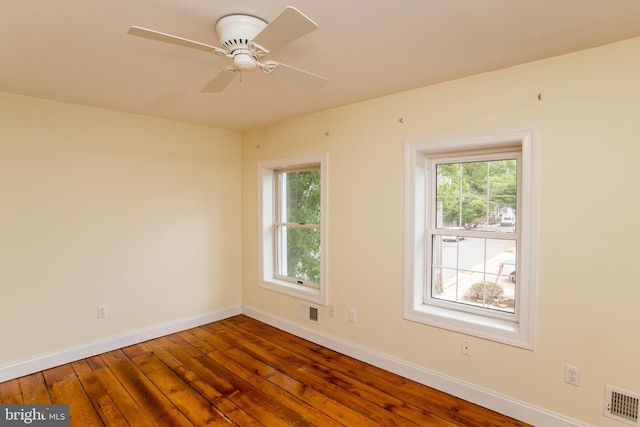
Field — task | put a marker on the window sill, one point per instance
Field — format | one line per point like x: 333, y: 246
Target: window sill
x: 499, y: 330
x: 294, y: 290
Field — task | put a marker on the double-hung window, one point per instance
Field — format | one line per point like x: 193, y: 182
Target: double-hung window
x: 293, y: 226
x: 470, y: 234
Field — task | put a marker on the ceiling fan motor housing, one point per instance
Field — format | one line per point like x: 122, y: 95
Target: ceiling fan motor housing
x: 235, y: 32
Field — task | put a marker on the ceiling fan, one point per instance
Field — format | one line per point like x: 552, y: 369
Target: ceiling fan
x: 246, y: 40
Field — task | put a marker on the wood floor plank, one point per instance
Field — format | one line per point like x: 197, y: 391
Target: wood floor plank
x: 198, y: 377
x: 241, y: 372
x: 191, y: 403
x: 265, y: 405
x: 10, y: 392
x: 34, y: 389
x: 127, y: 406
x: 157, y: 407
x: 102, y: 402
x: 65, y: 388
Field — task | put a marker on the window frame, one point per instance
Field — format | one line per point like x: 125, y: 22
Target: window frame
x: 519, y: 330
x: 267, y: 239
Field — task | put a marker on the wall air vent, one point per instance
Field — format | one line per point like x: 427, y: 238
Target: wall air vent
x: 309, y: 313
x: 622, y: 405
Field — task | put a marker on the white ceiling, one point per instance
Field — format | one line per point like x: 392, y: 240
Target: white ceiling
x: 78, y: 51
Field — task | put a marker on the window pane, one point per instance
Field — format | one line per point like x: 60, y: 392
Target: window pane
x: 300, y: 197
x: 474, y: 184
x: 448, y: 193
x: 502, y: 192
x: 299, y: 253
x: 476, y: 195
x: 474, y: 271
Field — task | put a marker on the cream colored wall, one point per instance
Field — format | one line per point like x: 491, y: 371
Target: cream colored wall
x: 588, y: 286
x: 99, y: 207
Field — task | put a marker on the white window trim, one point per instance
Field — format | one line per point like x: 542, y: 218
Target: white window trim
x: 266, y: 237
x: 520, y: 333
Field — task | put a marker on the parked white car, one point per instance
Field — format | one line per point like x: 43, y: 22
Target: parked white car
x: 508, y: 220
x: 453, y: 238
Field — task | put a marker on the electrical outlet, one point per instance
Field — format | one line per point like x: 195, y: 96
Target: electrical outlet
x: 466, y: 347
x: 572, y: 375
x: 102, y: 311
x: 352, y: 315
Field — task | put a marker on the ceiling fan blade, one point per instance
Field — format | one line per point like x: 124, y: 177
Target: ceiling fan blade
x: 300, y: 77
x: 220, y: 81
x: 289, y: 25
x: 168, y: 38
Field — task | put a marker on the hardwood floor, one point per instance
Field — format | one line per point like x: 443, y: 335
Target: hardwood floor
x: 240, y: 372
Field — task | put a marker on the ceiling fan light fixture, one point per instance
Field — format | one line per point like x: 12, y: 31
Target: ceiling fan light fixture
x: 244, y: 60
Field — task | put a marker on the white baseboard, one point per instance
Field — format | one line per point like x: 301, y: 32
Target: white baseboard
x: 497, y: 402
x: 57, y: 358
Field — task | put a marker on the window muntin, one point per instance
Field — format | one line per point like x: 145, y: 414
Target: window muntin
x: 472, y: 257
x: 297, y: 226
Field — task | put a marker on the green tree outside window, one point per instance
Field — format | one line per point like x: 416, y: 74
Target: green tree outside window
x: 298, y: 226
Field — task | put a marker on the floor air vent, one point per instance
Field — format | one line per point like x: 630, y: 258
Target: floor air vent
x: 309, y: 313
x: 622, y: 405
